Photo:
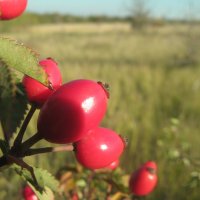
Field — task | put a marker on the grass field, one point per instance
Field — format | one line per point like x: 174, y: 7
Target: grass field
x: 154, y: 79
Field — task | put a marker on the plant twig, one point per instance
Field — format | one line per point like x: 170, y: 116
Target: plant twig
x: 30, y: 142
x: 31, y: 152
x: 108, y: 192
x: 3, y: 161
x: 90, y: 189
x: 20, y: 135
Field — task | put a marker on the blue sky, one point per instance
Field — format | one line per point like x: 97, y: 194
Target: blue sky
x: 161, y: 8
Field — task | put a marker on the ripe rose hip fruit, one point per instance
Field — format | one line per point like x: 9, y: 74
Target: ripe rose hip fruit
x: 29, y: 194
x: 99, y: 148
x: 10, y: 9
x: 75, y: 196
x: 72, y: 110
x: 36, y: 92
x: 143, y: 181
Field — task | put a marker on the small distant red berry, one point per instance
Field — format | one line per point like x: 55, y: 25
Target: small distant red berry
x: 143, y: 181
x: 38, y: 93
x: 10, y: 9
x: 75, y: 196
x: 99, y: 148
x: 28, y: 193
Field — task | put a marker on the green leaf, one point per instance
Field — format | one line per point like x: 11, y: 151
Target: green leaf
x: 44, y: 179
x: 4, y: 146
x: 13, y: 102
x: 120, y: 180
x: 194, y: 181
x: 21, y: 58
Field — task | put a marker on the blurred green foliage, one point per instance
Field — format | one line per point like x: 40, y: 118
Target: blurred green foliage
x: 154, y: 95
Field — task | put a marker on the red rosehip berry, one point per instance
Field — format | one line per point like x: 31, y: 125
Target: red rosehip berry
x: 27, y: 191
x: 29, y: 194
x: 38, y: 93
x: 113, y: 165
x: 143, y: 181
x: 10, y: 9
x: 75, y: 196
x: 71, y: 111
x: 99, y: 148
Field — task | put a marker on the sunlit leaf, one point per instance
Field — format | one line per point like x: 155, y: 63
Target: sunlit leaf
x: 21, y: 58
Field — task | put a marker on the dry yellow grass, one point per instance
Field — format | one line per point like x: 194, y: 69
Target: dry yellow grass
x: 80, y: 28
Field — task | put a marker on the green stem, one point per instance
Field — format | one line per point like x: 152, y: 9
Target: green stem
x: 3, y: 161
x: 31, y: 152
x: 21, y: 133
x: 30, y: 142
x: 108, y: 193
x: 90, y: 191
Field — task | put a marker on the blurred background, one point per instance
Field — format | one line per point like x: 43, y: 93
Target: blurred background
x: 149, y: 53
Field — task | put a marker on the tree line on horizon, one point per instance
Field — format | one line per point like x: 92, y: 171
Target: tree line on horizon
x: 137, y: 21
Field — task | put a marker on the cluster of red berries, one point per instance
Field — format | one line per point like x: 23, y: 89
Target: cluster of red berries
x: 72, y: 113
